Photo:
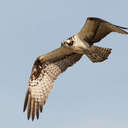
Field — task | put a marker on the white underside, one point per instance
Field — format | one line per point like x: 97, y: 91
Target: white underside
x: 79, y: 46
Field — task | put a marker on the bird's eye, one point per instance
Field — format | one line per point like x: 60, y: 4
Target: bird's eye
x: 70, y: 44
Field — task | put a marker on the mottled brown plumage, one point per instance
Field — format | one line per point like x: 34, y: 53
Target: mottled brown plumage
x: 97, y: 54
x: 41, y: 81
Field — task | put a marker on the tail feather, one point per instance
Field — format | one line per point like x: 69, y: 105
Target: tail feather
x: 97, y: 54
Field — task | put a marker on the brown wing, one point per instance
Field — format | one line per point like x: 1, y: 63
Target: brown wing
x: 45, y: 70
x: 95, y: 29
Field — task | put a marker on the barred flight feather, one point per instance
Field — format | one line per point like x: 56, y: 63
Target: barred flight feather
x: 41, y: 82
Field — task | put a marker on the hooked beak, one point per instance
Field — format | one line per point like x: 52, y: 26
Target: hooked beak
x: 63, y: 43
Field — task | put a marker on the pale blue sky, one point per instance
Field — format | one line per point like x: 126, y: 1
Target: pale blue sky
x: 87, y: 95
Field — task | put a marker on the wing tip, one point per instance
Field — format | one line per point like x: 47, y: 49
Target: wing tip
x: 122, y: 27
x: 26, y: 101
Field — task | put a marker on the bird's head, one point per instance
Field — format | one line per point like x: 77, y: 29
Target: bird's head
x: 68, y: 43
x: 74, y: 43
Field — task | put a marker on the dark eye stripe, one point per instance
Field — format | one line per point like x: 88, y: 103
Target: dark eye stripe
x: 70, y: 44
x: 70, y: 38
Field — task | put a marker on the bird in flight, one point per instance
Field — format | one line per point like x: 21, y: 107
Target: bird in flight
x: 47, y: 67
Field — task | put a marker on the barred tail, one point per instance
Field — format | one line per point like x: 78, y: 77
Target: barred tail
x: 97, y: 54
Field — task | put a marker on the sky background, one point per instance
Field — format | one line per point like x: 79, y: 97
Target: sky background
x: 87, y: 95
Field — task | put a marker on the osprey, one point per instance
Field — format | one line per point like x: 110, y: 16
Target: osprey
x: 47, y: 67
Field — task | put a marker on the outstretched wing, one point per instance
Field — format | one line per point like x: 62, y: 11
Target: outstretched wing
x: 95, y: 29
x: 45, y: 70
